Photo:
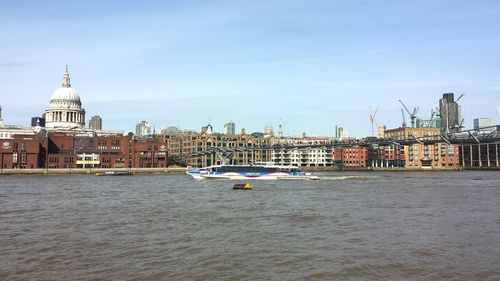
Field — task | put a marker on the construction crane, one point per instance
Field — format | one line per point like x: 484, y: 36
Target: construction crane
x: 460, y: 126
x: 372, y: 118
x: 432, y: 113
x: 460, y: 97
x: 404, y: 120
x: 413, y: 114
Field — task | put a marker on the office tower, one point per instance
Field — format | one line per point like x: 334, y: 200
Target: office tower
x: 142, y: 129
x: 95, y: 123
x: 450, y: 113
x: 230, y: 128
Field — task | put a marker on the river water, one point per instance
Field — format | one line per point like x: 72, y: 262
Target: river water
x: 348, y: 226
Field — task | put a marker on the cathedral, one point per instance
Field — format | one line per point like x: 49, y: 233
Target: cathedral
x: 65, y: 108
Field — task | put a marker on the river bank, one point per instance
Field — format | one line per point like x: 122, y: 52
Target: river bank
x: 93, y: 171
x: 90, y: 171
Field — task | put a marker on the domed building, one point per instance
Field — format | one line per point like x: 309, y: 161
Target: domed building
x: 65, y: 108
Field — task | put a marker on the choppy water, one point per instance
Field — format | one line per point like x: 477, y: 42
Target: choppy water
x: 348, y: 226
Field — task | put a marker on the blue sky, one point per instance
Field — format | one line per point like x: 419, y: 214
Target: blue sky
x: 311, y: 64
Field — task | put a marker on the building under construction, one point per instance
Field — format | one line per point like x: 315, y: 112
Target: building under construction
x: 450, y: 113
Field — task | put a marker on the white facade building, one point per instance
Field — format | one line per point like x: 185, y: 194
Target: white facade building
x: 303, y: 157
x: 142, y: 129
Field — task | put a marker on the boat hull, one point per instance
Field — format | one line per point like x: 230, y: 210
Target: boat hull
x: 267, y: 171
x: 236, y: 176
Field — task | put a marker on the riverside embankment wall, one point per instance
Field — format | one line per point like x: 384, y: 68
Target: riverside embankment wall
x: 93, y: 171
x: 81, y: 171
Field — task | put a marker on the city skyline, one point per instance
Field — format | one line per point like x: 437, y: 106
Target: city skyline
x: 311, y: 65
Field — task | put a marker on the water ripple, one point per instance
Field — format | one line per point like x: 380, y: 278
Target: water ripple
x: 348, y: 226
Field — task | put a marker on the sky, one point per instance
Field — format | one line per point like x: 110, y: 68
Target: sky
x: 310, y: 65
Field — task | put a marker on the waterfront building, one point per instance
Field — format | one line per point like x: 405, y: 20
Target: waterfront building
x: 387, y: 155
x: 53, y: 150
x: 65, y: 108
x: 230, y: 128
x: 20, y: 151
x: 95, y: 123
x: 407, y: 133
x: 149, y: 153
x: 354, y: 157
x: 288, y: 151
x: 61, y: 150
x: 480, y: 155
x: 104, y: 151
x: 205, y: 149
x: 421, y: 154
x: 142, y: 129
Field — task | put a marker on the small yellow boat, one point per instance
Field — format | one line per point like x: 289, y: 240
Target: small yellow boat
x: 242, y: 186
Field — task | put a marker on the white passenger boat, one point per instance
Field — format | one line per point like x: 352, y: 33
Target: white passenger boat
x: 264, y: 171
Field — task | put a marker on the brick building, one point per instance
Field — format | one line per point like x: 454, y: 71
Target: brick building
x: 423, y: 154
x: 21, y: 151
x: 149, y: 153
x: 60, y: 149
x: 351, y: 156
x: 54, y: 150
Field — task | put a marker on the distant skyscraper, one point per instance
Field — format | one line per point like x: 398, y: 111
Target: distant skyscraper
x: 142, y: 129
x: 429, y: 123
x: 450, y: 113
x: 482, y: 124
x: 95, y: 123
x: 340, y: 132
x: 37, y: 121
x: 230, y: 128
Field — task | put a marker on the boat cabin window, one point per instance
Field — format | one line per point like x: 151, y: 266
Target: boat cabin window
x: 246, y: 169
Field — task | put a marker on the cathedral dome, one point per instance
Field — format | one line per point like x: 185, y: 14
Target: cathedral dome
x: 65, y: 108
x: 65, y: 93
